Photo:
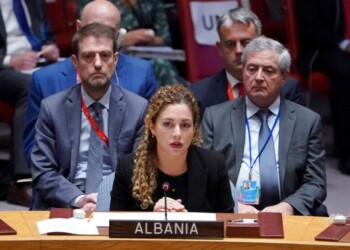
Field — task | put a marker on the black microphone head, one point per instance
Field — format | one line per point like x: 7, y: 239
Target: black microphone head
x: 165, y: 186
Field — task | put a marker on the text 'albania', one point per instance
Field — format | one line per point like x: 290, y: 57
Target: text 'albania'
x: 174, y: 228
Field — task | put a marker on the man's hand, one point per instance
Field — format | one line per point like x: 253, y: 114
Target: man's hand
x: 52, y: 53
x: 172, y: 205
x: 282, y: 207
x: 88, y: 202
x: 24, y: 61
x: 138, y: 36
x: 246, y: 209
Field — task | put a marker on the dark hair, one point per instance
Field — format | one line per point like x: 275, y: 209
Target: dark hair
x: 97, y: 30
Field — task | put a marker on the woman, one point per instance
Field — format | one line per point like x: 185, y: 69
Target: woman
x: 169, y: 153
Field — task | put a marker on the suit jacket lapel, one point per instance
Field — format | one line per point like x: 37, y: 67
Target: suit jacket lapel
x: 73, y: 114
x: 237, y: 118
x: 286, y: 130
x: 122, y: 76
x: 221, y: 87
x: 115, y: 120
x: 196, y: 182
x: 68, y: 75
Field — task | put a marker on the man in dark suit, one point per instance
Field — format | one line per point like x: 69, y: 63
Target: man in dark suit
x: 63, y: 154
x: 134, y: 74
x: 235, y: 28
x: 324, y: 28
x: 293, y: 171
x: 21, y: 37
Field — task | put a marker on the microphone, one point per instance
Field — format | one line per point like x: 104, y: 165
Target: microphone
x: 165, y: 187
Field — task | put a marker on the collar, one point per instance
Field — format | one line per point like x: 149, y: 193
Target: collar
x: 231, y: 79
x: 252, y: 108
x: 104, y: 99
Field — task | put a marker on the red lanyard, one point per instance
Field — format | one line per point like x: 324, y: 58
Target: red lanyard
x: 98, y: 131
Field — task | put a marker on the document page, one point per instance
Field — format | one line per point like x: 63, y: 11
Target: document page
x: 71, y: 226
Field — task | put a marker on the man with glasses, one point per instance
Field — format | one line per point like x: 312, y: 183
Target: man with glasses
x: 81, y: 132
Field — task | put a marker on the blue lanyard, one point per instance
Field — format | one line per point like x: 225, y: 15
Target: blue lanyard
x: 262, y: 149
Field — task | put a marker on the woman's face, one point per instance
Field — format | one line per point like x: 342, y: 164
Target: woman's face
x: 174, y: 130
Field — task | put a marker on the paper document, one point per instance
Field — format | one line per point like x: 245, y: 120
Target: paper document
x: 71, y: 226
x: 154, y: 52
x: 101, y: 219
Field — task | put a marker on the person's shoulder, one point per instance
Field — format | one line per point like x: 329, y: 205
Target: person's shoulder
x: 224, y: 106
x: 128, y: 158
x: 130, y: 96
x: 126, y: 164
x: 207, y: 82
x: 53, y: 68
x: 291, y: 81
x: 132, y: 61
x: 207, y: 155
x: 300, y: 110
x: 58, y: 98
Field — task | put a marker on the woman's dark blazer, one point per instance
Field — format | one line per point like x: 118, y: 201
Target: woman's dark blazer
x: 208, y: 188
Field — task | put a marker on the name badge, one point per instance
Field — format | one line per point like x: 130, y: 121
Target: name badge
x: 249, y: 193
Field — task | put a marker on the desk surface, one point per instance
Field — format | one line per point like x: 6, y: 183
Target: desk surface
x: 299, y: 234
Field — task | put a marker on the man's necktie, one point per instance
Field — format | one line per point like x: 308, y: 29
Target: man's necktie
x: 23, y: 24
x: 240, y: 88
x: 267, y: 161
x: 95, y: 158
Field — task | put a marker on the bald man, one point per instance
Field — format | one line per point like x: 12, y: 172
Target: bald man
x: 134, y: 74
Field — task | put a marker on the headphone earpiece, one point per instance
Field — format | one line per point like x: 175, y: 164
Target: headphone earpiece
x: 121, y: 35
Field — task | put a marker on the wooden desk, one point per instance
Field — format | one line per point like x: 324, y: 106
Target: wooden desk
x: 299, y: 234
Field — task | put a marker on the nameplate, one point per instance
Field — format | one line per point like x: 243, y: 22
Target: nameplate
x: 167, y: 229
x: 267, y: 225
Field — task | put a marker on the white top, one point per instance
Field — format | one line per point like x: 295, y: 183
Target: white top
x: 254, y: 125
x: 233, y: 82
x: 17, y: 43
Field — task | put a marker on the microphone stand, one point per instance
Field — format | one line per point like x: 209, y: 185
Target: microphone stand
x: 166, y: 207
x: 165, y: 187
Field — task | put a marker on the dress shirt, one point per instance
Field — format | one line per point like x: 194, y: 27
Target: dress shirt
x: 17, y: 43
x: 254, y: 125
x: 80, y: 174
x: 233, y: 82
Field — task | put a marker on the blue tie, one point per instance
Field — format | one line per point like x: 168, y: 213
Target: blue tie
x: 95, y: 159
x: 23, y: 24
x: 267, y: 162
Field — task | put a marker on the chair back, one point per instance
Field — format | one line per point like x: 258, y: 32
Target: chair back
x: 7, y: 111
x: 201, y: 60
x: 316, y: 81
x: 61, y: 15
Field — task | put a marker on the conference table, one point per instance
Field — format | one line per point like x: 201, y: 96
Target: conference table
x: 299, y: 233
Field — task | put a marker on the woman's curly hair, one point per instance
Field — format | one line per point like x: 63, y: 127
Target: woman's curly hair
x: 144, y: 180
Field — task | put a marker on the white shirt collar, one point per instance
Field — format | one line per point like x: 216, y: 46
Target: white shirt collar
x: 252, y: 108
x: 104, y: 99
x: 231, y: 79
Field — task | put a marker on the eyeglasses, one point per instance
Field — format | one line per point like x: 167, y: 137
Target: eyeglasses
x: 89, y: 56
